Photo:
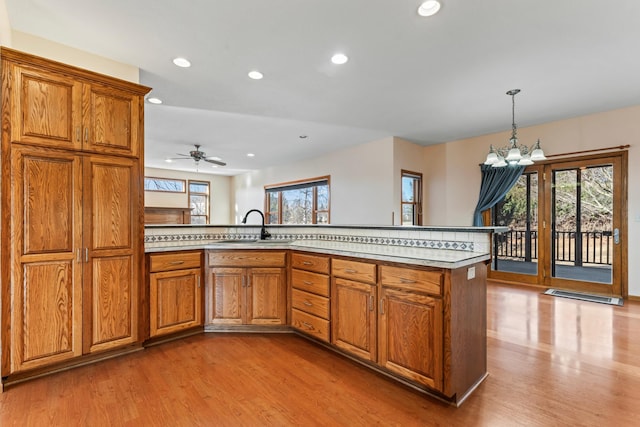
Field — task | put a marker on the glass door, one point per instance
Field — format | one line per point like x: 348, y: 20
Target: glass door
x: 567, y: 226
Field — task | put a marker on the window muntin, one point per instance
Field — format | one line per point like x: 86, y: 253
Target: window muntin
x: 411, y: 204
x: 301, y: 202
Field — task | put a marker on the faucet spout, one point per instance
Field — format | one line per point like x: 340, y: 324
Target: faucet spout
x: 264, y: 234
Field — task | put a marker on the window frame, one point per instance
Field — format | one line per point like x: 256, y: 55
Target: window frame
x: 417, y: 193
x: 197, y: 193
x: 299, y: 184
x: 182, y: 182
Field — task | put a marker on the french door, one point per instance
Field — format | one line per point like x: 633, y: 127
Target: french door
x: 567, y: 226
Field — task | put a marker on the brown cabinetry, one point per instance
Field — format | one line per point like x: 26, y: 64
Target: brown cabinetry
x: 353, y: 320
x: 411, y: 324
x: 310, y: 310
x: 246, y: 288
x: 55, y: 109
x: 71, y: 215
x: 175, y: 293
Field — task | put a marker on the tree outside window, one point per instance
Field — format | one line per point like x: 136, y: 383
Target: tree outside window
x: 411, y: 205
x: 302, y: 202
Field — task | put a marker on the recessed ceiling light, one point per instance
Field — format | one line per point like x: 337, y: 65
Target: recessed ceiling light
x: 155, y: 100
x: 339, y: 58
x: 250, y: 155
x: 255, y: 75
x: 429, y: 8
x: 182, y: 62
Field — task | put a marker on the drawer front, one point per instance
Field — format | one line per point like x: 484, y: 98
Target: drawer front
x: 319, y: 264
x: 354, y: 270
x: 246, y: 258
x: 411, y: 279
x: 310, y: 282
x: 310, y: 303
x: 174, y: 261
x: 310, y: 324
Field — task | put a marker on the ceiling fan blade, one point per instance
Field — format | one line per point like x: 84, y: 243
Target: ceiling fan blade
x: 215, y: 162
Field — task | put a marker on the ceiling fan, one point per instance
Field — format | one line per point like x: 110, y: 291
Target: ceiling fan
x: 198, y: 155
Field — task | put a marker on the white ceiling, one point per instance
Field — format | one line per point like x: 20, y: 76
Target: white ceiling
x: 427, y: 80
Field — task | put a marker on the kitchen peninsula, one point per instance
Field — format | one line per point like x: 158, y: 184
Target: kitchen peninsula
x: 408, y: 302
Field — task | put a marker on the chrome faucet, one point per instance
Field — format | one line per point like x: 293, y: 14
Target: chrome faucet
x: 264, y: 234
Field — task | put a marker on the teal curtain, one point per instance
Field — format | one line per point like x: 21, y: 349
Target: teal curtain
x: 496, y: 183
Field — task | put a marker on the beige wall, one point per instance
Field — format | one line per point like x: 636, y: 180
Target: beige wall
x: 68, y: 55
x: 362, y: 183
x: 452, y: 182
x: 220, y: 187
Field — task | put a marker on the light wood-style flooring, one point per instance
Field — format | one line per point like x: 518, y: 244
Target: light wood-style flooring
x: 552, y: 362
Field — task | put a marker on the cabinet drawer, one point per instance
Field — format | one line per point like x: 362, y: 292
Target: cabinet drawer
x: 246, y: 258
x: 360, y: 271
x: 310, y: 282
x: 411, y: 279
x: 310, y: 303
x: 174, y: 261
x: 310, y: 324
x: 319, y: 264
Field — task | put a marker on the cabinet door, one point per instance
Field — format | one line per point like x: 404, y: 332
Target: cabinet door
x: 46, y: 109
x: 112, y: 216
x: 266, y: 297
x: 226, y: 302
x: 411, y: 336
x: 175, y: 301
x: 111, y: 121
x: 46, y: 298
x: 353, y: 321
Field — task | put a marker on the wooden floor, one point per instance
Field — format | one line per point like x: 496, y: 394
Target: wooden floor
x: 552, y: 362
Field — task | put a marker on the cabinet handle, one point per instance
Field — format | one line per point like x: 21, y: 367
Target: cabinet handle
x: 406, y: 281
x: 243, y: 281
x: 307, y: 263
x: 381, y: 305
x: 86, y: 254
x: 248, y: 282
x: 86, y: 134
x: 350, y: 271
x: 307, y: 303
x: 79, y: 255
x: 307, y: 282
x: 308, y: 325
x: 370, y: 302
x: 176, y: 262
x: 198, y: 280
x: 78, y: 132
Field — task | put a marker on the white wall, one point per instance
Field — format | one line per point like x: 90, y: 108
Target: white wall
x: 71, y: 56
x: 453, y: 175
x: 362, y: 183
x: 220, y: 197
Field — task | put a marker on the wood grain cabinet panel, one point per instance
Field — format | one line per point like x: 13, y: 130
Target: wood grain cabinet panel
x: 354, y: 270
x: 71, y: 271
x: 353, y: 321
x: 308, y: 262
x: 246, y: 296
x: 46, y: 277
x: 411, y: 336
x: 175, y: 301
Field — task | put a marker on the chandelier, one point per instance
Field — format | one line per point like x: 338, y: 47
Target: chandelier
x: 514, y: 153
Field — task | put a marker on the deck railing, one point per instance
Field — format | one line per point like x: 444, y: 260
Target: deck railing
x: 592, y: 247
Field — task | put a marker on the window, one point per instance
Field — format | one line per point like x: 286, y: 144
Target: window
x: 411, y: 205
x: 164, y: 184
x: 300, y: 202
x: 199, y: 202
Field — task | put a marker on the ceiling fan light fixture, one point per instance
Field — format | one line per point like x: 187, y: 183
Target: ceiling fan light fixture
x: 255, y: 75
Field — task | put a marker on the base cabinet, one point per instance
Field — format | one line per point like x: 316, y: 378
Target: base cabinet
x: 310, y: 292
x: 354, y: 314
x: 411, y: 336
x: 175, y: 292
x: 248, y: 295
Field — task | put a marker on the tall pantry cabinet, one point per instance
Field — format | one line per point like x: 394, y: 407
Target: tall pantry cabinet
x: 72, y: 213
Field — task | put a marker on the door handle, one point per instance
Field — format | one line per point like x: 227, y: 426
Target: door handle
x: 616, y: 236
